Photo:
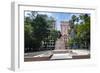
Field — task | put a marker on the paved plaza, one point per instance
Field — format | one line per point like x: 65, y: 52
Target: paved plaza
x: 59, y: 53
x: 56, y: 55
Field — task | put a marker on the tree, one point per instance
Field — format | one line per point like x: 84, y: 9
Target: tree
x: 55, y: 34
x: 72, y: 30
x: 84, y: 30
x: 27, y: 34
x: 81, y: 38
x: 36, y: 29
x: 40, y: 29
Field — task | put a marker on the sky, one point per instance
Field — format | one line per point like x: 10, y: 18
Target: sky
x: 58, y: 16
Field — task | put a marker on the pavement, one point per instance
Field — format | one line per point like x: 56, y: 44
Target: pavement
x: 57, y: 55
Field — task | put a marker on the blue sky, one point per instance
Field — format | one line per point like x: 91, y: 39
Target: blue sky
x: 58, y: 16
x: 61, y: 17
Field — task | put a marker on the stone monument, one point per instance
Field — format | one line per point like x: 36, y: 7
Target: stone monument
x: 61, y: 51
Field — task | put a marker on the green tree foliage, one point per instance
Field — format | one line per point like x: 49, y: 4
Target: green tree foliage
x: 81, y: 36
x: 28, y: 33
x: 41, y: 30
x: 54, y: 34
x: 36, y: 29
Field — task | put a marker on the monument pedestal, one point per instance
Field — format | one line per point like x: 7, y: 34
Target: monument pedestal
x: 60, y: 52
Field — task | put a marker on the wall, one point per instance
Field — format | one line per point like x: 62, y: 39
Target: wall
x: 5, y: 36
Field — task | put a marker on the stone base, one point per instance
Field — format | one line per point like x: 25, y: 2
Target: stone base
x: 61, y: 54
x: 62, y: 51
